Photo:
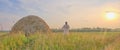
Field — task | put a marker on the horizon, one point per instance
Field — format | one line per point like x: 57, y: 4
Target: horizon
x: 78, y: 13
x: 75, y: 28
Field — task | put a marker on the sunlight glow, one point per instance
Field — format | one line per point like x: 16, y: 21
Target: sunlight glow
x: 110, y: 15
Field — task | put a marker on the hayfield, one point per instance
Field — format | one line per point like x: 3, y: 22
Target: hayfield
x: 60, y: 41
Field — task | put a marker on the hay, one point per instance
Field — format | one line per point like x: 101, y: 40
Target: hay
x: 31, y: 24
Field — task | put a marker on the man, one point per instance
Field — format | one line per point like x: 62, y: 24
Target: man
x: 66, y: 28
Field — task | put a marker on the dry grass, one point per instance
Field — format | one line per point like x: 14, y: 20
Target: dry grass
x: 59, y: 41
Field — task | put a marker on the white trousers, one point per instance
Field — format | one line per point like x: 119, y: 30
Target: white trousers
x: 66, y: 31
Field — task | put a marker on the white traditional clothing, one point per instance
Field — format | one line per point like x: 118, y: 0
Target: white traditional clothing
x: 65, y: 28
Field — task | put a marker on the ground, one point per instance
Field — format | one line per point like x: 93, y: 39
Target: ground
x: 60, y: 41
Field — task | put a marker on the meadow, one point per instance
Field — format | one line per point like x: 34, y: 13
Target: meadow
x: 60, y: 41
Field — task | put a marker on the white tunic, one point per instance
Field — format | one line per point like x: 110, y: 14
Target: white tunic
x: 65, y: 28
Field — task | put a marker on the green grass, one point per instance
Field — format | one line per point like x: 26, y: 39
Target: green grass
x: 60, y: 41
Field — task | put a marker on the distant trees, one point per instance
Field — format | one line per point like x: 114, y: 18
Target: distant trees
x: 91, y: 30
x: 97, y: 29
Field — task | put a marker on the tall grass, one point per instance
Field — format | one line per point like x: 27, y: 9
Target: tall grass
x: 59, y: 41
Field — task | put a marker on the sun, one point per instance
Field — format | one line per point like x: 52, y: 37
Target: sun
x: 110, y: 15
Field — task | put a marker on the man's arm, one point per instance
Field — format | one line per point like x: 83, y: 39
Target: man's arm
x: 68, y: 27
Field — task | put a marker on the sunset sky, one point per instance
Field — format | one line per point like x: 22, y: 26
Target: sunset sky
x: 78, y: 13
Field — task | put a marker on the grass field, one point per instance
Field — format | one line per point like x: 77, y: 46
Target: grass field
x: 59, y: 41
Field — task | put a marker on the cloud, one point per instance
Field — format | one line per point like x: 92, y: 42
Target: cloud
x: 79, y: 13
x: 6, y: 2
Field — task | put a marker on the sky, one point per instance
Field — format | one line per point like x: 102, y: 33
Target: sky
x: 78, y: 13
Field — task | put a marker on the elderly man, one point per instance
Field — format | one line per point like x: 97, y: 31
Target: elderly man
x: 66, y: 28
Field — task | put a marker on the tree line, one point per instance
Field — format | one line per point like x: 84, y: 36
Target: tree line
x: 97, y: 29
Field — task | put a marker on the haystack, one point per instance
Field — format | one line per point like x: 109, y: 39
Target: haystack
x: 31, y: 24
